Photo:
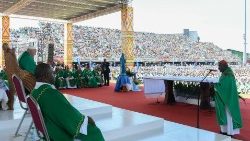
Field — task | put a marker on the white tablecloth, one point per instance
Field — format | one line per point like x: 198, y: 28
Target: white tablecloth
x: 184, y: 78
x: 154, y: 86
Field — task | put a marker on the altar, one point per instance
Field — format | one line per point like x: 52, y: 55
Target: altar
x: 158, y: 85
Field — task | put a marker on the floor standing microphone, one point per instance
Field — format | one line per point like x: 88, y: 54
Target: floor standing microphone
x: 198, y: 101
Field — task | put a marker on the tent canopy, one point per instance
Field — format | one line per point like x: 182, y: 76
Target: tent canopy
x: 67, y: 10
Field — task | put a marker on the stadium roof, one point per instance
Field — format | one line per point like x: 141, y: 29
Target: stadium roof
x: 66, y: 10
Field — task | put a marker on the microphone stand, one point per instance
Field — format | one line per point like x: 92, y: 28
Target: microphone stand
x: 198, y: 103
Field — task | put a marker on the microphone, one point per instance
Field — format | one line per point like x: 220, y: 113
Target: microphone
x: 211, y: 70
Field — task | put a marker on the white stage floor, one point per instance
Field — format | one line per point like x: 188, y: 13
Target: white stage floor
x: 116, y: 124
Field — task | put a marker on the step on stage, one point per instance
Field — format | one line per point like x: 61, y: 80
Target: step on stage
x: 116, y: 124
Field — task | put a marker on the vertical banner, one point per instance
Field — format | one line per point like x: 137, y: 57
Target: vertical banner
x: 68, y: 44
x: 5, y: 36
x: 127, y: 34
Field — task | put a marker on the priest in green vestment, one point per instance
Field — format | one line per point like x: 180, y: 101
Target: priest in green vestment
x: 78, y: 77
x: 227, y: 101
x: 60, y: 81
x: 62, y: 120
x: 69, y: 77
x: 26, y: 60
x: 89, y: 78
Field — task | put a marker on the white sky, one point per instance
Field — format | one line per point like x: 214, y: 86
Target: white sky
x: 218, y: 21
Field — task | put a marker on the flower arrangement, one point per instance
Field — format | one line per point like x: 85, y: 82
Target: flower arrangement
x: 186, y: 89
x: 129, y: 73
x: 137, y: 82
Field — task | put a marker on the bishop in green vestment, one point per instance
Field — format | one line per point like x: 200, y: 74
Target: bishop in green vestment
x: 227, y: 101
x: 60, y: 81
x: 62, y: 120
x: 26, y: 60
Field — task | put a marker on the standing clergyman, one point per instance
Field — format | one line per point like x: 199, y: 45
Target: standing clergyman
x: 227, y: 101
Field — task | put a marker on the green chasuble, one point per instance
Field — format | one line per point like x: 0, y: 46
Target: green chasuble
x: 97, y: 76
x: 85, y: 78
x: 92, y: 80
x: 227, y: 96
x: 70, y: 74
x: 78, y: 77
x: 26, y: 62
x: 62, y: 120
x: 60, y: 81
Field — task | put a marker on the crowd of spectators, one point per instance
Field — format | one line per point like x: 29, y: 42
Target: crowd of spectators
x: 94, y: 44
x: 242, y: 73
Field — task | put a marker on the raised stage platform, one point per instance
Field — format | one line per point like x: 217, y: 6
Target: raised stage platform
x: 115, y: 123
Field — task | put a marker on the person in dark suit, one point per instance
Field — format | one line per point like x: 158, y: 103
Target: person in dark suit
x: 105, y: 72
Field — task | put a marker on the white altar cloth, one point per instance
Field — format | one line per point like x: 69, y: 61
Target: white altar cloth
x: 154, y: 85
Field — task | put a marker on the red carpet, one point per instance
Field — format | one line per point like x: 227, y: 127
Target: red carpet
x: 180, y: 112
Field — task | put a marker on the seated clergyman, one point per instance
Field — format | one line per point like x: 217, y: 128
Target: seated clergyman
x: 63, y: 121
